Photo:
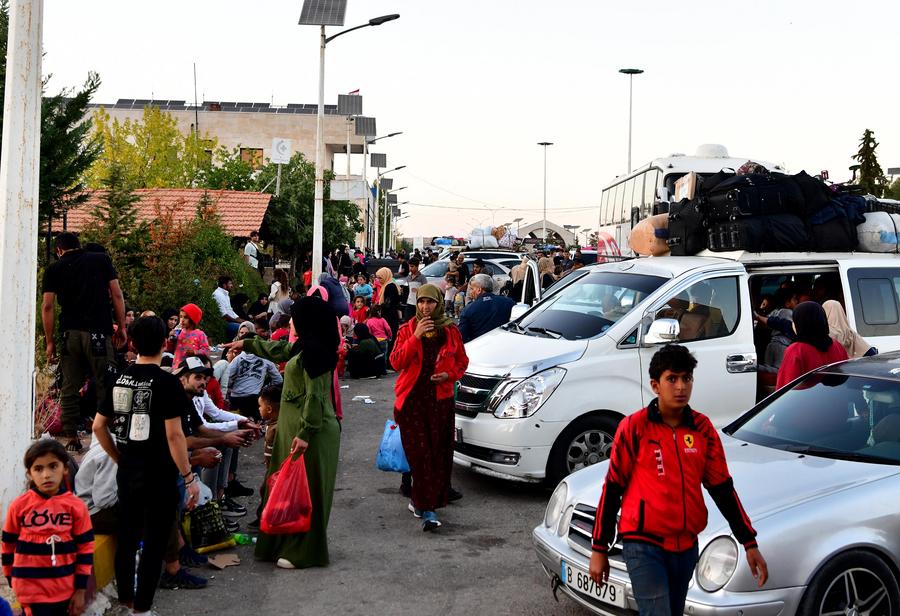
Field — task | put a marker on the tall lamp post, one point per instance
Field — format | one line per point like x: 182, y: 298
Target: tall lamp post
x: 326, y: 13
x: 372, y: 229
x: 387, y: 215
x: 378, y: 194
x: 544, y: 144
x: 631, y: 72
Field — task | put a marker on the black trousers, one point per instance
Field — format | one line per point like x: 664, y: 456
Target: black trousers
x: 147, y: 507
x: 48, y: 609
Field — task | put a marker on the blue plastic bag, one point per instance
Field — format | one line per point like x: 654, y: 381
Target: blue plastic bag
x: 390, y: 453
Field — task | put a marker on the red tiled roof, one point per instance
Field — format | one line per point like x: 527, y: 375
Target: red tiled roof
x: 241, y: 212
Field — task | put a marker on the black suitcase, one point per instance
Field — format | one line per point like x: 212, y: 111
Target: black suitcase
x: 772, y: 233
x: 815, y: 193
x: 687, y: 229
x: 753, y: 194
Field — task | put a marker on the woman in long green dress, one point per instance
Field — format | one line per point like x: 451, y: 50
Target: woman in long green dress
x: 306, y: 424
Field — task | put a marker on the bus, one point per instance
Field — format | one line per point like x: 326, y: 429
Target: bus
x: 639, y: 194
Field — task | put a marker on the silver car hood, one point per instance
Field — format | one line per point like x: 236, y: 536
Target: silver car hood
x: 500, y: 352
x: 768, y: 481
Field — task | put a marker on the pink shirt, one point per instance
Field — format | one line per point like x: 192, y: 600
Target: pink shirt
x: 193, y: 340
x: 379, y: 328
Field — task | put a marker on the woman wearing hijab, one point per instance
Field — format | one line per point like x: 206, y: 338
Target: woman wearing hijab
x: 546, y: 268
x: 365, y: 358
x: 306, y: 425
x: 430, y: 357
x: 813, y: 347
x: 839, y: 329
x: 389, y: 299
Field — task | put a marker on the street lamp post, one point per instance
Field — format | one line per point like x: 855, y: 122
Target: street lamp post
x: 544, y: 144
x: 387, y: 216
x: 372, y: 229
x: 517, y: 221
x: 319, y: 195
x: 631, y: 72
x: 378, y: 194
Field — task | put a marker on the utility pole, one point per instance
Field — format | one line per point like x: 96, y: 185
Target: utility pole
x: 20, y: 156
x: 545, y: 144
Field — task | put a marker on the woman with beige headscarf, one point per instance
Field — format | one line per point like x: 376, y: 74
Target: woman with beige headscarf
x: 545, y: 270
x: 839, y: 329
x: 389, y: 300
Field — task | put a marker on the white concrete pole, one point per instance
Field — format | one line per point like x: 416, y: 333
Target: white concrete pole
x: 20, y: 154
x: 368, y: 216
x: 349, y: 124
x: 319, y: 197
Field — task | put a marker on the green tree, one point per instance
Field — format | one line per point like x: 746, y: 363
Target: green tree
x: 871, y: 177
x: 288, y: 221
x: 114, y: 225
x: 152, y: 151
x: 67, y: 150
x: 229, y: 172
x: 893, y: 191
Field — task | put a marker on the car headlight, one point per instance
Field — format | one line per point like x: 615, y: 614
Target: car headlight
x: 717, y: 564
x: 556, y: 505
x: 527, y: 396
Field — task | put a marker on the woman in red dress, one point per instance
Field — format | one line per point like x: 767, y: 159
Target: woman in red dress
x: 430, y: 357
x: 813, y: 347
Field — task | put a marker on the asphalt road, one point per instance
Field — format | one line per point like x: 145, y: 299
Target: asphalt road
x: 480, y: 562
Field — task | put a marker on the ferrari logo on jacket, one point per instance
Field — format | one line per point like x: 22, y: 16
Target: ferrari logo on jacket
x: 689, y: 440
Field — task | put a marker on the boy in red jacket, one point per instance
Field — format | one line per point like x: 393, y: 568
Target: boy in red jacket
x: 660, y: 457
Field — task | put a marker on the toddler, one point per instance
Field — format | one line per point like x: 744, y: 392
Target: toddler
x: 450, y: 293
x: 190, y: 338
x: 359, y: 312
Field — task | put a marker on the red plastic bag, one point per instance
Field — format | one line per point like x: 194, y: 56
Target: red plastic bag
x: 289, y: 508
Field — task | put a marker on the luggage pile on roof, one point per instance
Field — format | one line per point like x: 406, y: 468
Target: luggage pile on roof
x: 755, y: 210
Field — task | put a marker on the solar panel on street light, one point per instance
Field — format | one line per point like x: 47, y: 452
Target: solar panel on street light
x: 350, y: 105
x: 379, y: 161
x: 392, y: 199
x: 365, y: 126
x: 387, y: 183
x: 323, y: 13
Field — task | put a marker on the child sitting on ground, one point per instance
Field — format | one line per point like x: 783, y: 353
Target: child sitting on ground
x: 359, y: 312
x: 48, y: 564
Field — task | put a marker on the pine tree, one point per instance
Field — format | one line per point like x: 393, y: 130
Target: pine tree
x: 871, y: 177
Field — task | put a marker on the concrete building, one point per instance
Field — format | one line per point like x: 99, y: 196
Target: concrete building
x: 251, y: 128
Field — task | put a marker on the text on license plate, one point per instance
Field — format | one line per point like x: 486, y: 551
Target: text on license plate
x: 581, y: 582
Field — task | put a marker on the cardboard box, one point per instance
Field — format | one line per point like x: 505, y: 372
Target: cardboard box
x: 686, y: 186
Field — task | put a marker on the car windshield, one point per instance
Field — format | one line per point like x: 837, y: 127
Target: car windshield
x: 831, y: 416
x: 435, y: 270
x: 589, y: 306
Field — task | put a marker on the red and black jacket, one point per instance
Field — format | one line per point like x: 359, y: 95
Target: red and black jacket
x: 655, y: 474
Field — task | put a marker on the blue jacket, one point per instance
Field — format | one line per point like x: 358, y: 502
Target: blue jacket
x: 484, y: 314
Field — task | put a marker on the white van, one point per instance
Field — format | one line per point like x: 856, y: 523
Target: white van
x: 544, y: 393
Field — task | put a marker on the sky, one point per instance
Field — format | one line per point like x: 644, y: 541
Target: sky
x: 475, y: 84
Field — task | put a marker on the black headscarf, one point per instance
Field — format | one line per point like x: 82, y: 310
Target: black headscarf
x: 317, y: 335
x: 812, y: 325
x: 361, y: 331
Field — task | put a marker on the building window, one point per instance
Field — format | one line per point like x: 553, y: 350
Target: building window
x: 253, y: 156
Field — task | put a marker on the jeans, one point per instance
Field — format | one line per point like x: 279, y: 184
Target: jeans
x: 216, y: 478
x: 659, y: 579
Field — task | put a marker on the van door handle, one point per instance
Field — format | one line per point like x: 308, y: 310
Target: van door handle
x: 741, y: 363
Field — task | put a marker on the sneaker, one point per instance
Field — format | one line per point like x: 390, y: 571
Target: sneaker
x: 189, y: 558
x: 232, y: 508
x: 183, y: 579
x: 236, y: 488
x: 231, y: 526
x: 414, y: 511
x: 454, y: 495
x: 430, y: 521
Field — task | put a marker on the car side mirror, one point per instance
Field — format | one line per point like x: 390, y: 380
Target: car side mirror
x: 517, y: 311
x: 662, y: 331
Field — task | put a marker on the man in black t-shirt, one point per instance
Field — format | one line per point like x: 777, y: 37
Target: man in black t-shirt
x: 140, y: 427
x: 83, y: 283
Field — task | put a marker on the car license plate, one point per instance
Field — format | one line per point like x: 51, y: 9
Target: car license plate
x: 457, y: 435
x: 579, y: 581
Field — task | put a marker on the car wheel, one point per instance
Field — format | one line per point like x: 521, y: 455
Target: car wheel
x: 587, y: 441
x: 854, y: 582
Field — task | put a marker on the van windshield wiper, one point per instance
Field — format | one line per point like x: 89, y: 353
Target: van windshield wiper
x: 543, y: 330
x: 514, y: 326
